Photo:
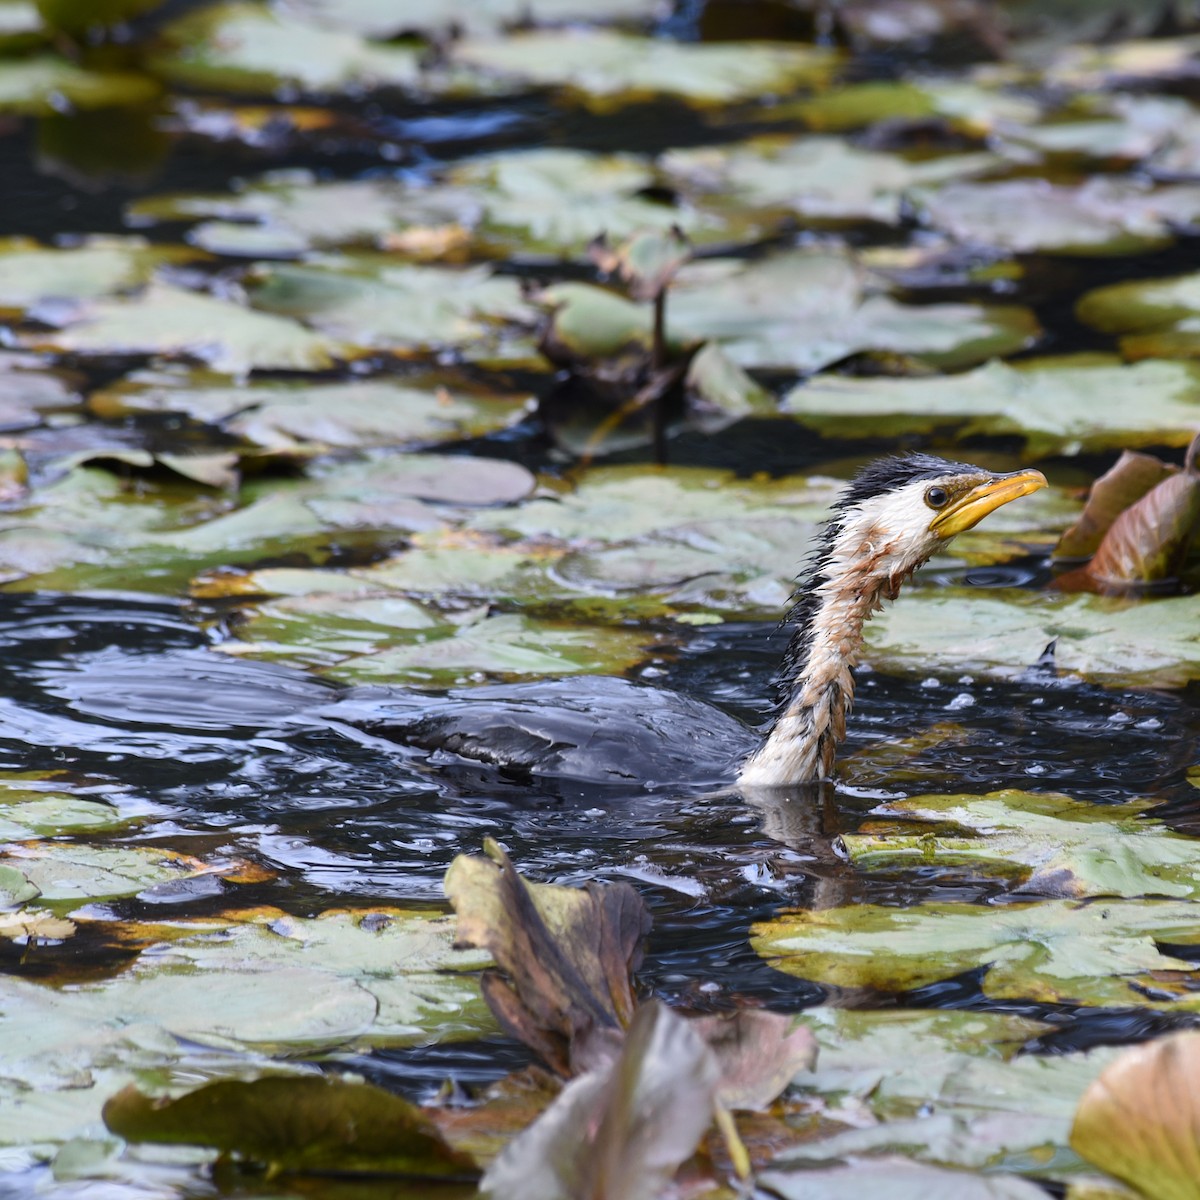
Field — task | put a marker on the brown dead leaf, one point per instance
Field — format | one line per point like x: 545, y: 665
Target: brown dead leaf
x: 1149, y: 541
x: 1126, y: 482
x: 759, y: 1054
x: 566, y: 956
x: 1140, y: 1120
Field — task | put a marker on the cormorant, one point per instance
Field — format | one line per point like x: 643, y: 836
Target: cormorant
x: 889, y: 520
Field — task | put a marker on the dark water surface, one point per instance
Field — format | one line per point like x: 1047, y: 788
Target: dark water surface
x: 127, y: 692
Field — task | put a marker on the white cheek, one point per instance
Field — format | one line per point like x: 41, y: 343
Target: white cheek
x: 890, y: 531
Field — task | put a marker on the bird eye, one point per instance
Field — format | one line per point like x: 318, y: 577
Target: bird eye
x: 937, y: 497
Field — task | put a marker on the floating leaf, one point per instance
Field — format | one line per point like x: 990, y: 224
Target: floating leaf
x: 313, y: 212
x: 1054, y: 950
x: 759, y: 1054
x: 1139, y: 1120
x: 249, y: 47
x: 819, y: 178
x: 78, y: 17
x: 382, y: 18
x: 807, y: 309
x: 1057, y: 405
x: 375, y: 302
x: 1149, y: 541
x: 1058, y: 846
x: 37, y: 86
x: 624, y: 1128
x: 1125, y: 482
x: 609, y: 69
x: 31, y: 274
x: 555, y: 201
x: 297, y: 1124
x: 171, y: 321
x: 1118, y: 642
x: 567, y: 955
x: 1102, y: 216
x: 898, y: 1179
x: 62, y: 871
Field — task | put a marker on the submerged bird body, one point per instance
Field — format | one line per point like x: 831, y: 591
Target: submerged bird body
x: 588, y: 730
x: 888, y: 521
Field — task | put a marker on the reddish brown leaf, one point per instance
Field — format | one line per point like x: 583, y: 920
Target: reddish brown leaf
x: 759, y: 1054
x: 1149, y: 541
x: 1126, y: 482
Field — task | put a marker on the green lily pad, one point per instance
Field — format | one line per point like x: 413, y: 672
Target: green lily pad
x: 1053, y: 950
x: 554, y: 201
x: 1057, y: 845
x: 1102, y: 216
x: 503, y: 647
x: 63, y: 871
x: 312, y: 212
x: 28, y: 813
x: 298, y: 418
x: 375, y: 302
x: 383, y: 19
x: 820, y: 178
x: 615, y: 504
x: 323, y: 628
x: 80, y: 16
x: 1060, y: 406
x: 1159, y: 317
x: 249, y: 47
x: 293, y: 1124
x: 898, y: 1178
x: 1118, y: 642
x: 171, y: 321
x: 39, y: 85
x: 799, y: 310
x: 403, y: 961
x: 31, y: 274
x: 607, y: 69
x: 804, y: 310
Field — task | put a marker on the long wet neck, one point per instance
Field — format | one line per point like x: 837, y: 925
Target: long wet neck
x: 816, y: 683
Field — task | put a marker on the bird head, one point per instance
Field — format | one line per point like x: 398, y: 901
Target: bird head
x: 897, y: 512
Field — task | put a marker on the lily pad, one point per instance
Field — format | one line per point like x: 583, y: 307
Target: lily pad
x: 62, y: 871
x: 249, y: 47
x: 304, y: 1124
x: 1056, y: 845
x: 819, y: 178
x: 375, y: 302
x: 31, y: 274
x: 1054, y: 950
x: 383, y: 19
x: 803, y: 310
x: 313, y: 212
x: 607, y: 69
x: 1159, y: 317
x: 554, y: 201
x: 171, y: 321
x: 1058, y: 406
x: 1102, y: 216
x: 898, y: 1178
x: 303, y: 419
x: 1118, y: 642
x: 39, y: 85
x: 505, y: 647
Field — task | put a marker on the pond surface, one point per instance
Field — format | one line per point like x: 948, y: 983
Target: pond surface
x: 202, y: 546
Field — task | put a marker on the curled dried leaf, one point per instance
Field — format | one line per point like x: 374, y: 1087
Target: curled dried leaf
x: 1149, y: 541
x: 1140, y: 1119
x: 1127, y: 481
x: 566, y: 955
